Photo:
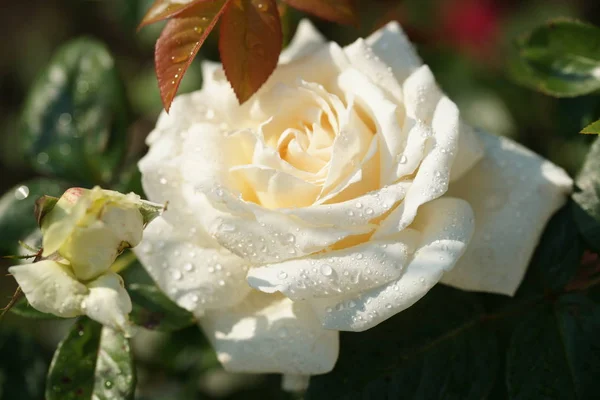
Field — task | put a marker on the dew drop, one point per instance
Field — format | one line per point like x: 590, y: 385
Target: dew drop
x: 282, y: 275
x: 188, y: 267
x: 326, y: 270
x: 359, y: 204
x: 22, y: 192
x: 228, y: 228
x: 221, y: 282
x: 369, y: 211
x: 403, y: 159
x: 177, y: 275
x: 290, y: 238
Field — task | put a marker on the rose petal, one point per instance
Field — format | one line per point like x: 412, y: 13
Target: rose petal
x: 271, y: 334
x: 346, y: 271
x: 108, y: 302
x: 433, y: 175
x: 50, y: 287
x: 275, y: 189
x: 193, y: 274
x: 513, y: 193
x: 392, y: 46
x: 385, y: 115
x: 91, y: 250
x: 364, y: 59
x: 306, y: 40
x: 359, y: 210
x: 447, y: 226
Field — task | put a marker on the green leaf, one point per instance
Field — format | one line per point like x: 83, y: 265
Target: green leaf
x: 558, y: 255
x: 74, y: 124
x: 115, y: 374
x: 434, y: 350
x: 91, y: 363
x: 17, y: 219
x: 71, y: 374
x: 593, y: 128
x: 153, y: 310
x: 22, y: 308
x: 560, y: 58
x: 554, y: 353
x: 587, y: 197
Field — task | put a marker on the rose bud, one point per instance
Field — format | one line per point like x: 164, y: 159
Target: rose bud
x: 90, y: 228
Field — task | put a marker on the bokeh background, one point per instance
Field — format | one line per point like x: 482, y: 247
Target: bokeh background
x: 466, y: 43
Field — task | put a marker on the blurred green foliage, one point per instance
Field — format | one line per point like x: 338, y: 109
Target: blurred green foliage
x: 467, y: 43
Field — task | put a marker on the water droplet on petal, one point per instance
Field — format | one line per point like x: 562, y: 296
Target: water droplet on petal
x: 188, y: 267
x: 282, y: 275
x: 177, y: 275
x: 326, y: 270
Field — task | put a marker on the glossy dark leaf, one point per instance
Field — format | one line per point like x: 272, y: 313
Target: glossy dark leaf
x: 250, y: 42
x: 71, y: 374
x: 92, y: 362
x: 587, y: 197
x: 179, y: 43
x: 558, y: 255
x: 17, y: 218
x: 342, y: 11
x: 437, y: 349
x: 554, y: 353
x: 74, y: 124
x: 114, y: 376
x: 561, y: 58
x: 593, y: 128
x: 153, y: 310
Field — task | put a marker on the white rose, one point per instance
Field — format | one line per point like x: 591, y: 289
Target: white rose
x: 91, y: 227
x: 51, y: 287
x: 335, y: 198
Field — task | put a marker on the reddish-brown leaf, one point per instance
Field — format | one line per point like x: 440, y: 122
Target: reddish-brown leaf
x: 179, y: 43
x: 250, y: 42
x: 341, y: 11
x: 163, y: 9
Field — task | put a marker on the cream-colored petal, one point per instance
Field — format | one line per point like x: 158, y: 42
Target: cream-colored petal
x: 108, y: 302
x: 50, y: 287
x: 91, y: 250
x: 470, y: 151
x: 446, y: 226
x: 63, y: 218
x: 126, y: 223
x: 307, y: 40
x: 360, y: 210
x: 334, y: 273
x: 271, y: 334
x: 433, y: 174
x: 364, y: 59
x: 258, y: 234
x: 275, y: 189
x: 513, y: 193
x: 392, y: 46
x: 193, y: 274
